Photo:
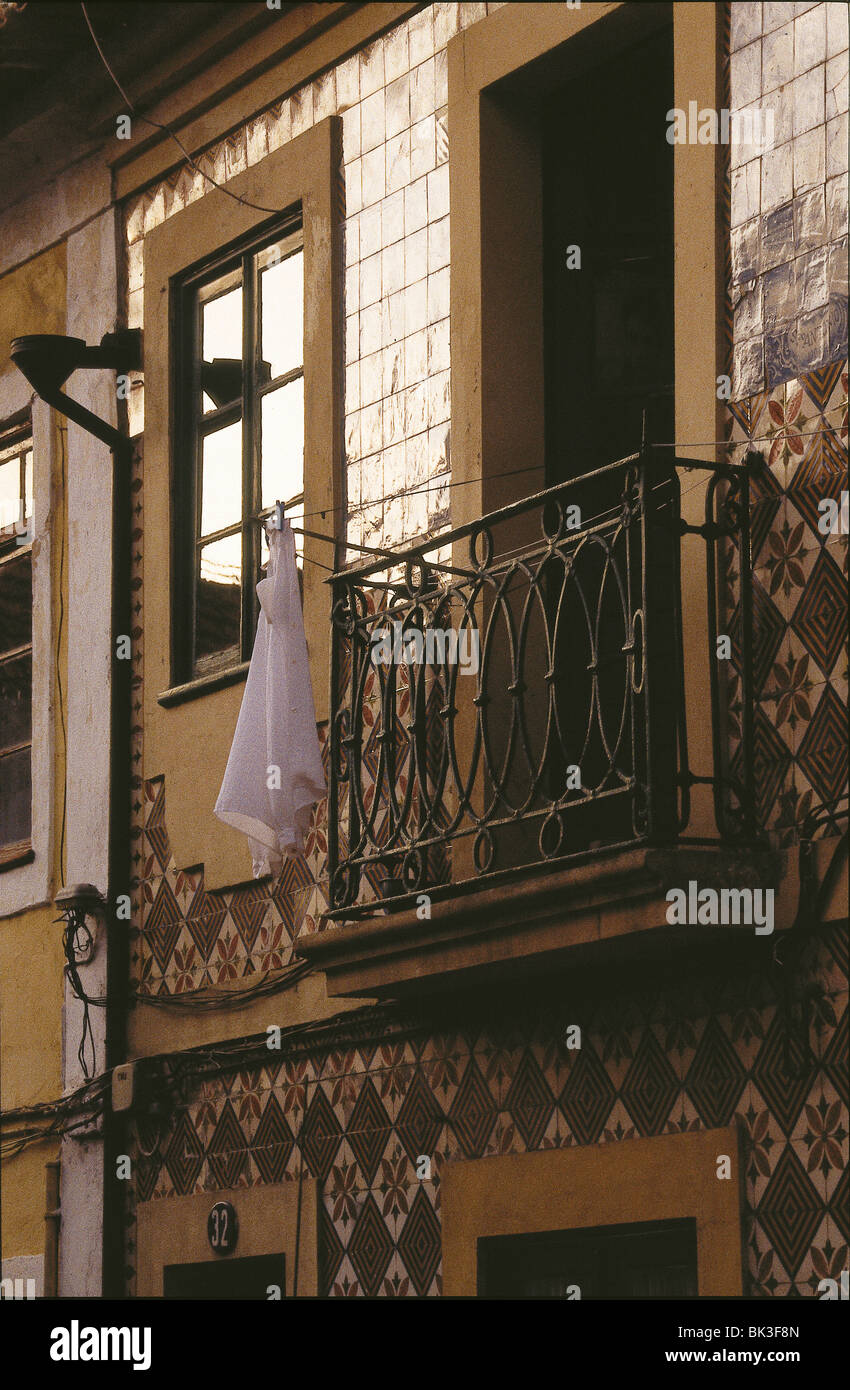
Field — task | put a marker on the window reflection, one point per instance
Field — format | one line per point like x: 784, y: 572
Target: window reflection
x: 219, y: 599
x: 10, y: 491
x: 221, y: 346
x: 221, y: 479
x: 282, y: 314
x: 28, y: 483
x: 283, y: 442
x: 16, y: 700
x: 15, y: 797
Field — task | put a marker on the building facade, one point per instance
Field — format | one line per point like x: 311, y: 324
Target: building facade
x: 555, y: 367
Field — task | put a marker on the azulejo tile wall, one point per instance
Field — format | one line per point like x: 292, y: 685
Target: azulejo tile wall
x: 789, y: 200
x: 659, y: 1055
x: 799, y: 596
x: 358, y: 1105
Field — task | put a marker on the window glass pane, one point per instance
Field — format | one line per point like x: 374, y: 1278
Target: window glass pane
x: 28, y: 483
x: 219, y: 600
x: 15, y: 701
x: 15, y: 603
x: 221, y: 482
x: 221, y: 348
x: 15, y: 797
x: 282, y: 314
x: 10, y: 493
x: 283, y: 443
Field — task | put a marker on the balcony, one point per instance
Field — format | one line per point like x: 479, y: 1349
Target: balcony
x: 508, y: 714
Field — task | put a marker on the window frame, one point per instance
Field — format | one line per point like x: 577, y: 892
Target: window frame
x: 18, y: 437
x: 303, y: 171
x: 238, y: 258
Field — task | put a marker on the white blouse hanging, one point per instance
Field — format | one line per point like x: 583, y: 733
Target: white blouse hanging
x: 274, y: 774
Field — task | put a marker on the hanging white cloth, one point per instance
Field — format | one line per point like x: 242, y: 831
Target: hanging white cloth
x: 274, y: 773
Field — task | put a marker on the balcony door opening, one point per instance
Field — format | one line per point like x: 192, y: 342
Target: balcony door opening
x: 608, y: 264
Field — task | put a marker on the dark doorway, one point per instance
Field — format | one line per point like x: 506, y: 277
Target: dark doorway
x: 647, y: 1260
x: 250, y: 1277
x: 609, y: 362
x: 608, y: 189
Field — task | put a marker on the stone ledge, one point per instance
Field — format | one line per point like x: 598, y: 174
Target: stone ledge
x: 610, y: 907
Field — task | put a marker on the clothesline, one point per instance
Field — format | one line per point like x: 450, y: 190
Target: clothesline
x: 433, y: 485
x: 393, y: 555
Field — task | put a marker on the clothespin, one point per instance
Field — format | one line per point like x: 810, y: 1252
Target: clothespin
x: 277, y: 518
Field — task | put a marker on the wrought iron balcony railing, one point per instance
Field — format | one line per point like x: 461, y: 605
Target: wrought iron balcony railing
x: 511, y: 693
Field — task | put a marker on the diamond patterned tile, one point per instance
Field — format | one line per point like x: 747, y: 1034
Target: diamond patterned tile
x: 273, y: 1142
x: 530, y: 1101
x: 822, y: 473
x: 420, y: 1244
x: 587, y: 1096
x: 820, y: 617
x: 823, y: 751
x: 369, y: 1130
x: 651, y: 1087
x: 370, y: 1248
x: 791, y: 1210
x: 783, y: 1073
x: 420, y: 1118
x: 227, y: 1151
x: 184, y: 1156
x: 716, y: 1078
x: 473, y: 1113
x: 321, y: 1135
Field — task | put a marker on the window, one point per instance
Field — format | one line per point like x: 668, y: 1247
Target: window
x: 15, y: 645
x: 655, y: 1259
x: 240, y: 440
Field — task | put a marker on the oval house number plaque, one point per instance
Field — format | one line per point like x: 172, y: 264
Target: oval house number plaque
x: 222, y: 1228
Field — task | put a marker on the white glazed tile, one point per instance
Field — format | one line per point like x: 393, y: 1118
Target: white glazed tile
x: 392, y: 270
x: 373, y: 122
x: 422, y: 91
x: 423, y: 155
x: 370, y: 231
x: 415, y: 206
x: 396, y: 59
x: 438, y: 296
x: 374, y: 176
x: 416, y: 256
x: 810, y: 39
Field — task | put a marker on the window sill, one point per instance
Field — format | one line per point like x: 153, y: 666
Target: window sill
x: 204, y: 685
x: 13, y: 856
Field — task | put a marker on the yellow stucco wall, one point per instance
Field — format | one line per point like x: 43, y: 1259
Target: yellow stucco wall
x: 32, y: 300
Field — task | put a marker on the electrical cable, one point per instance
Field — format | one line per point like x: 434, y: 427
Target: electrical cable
x: 443, y: 480
x: 158, y: 125
x: 60, y: 691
